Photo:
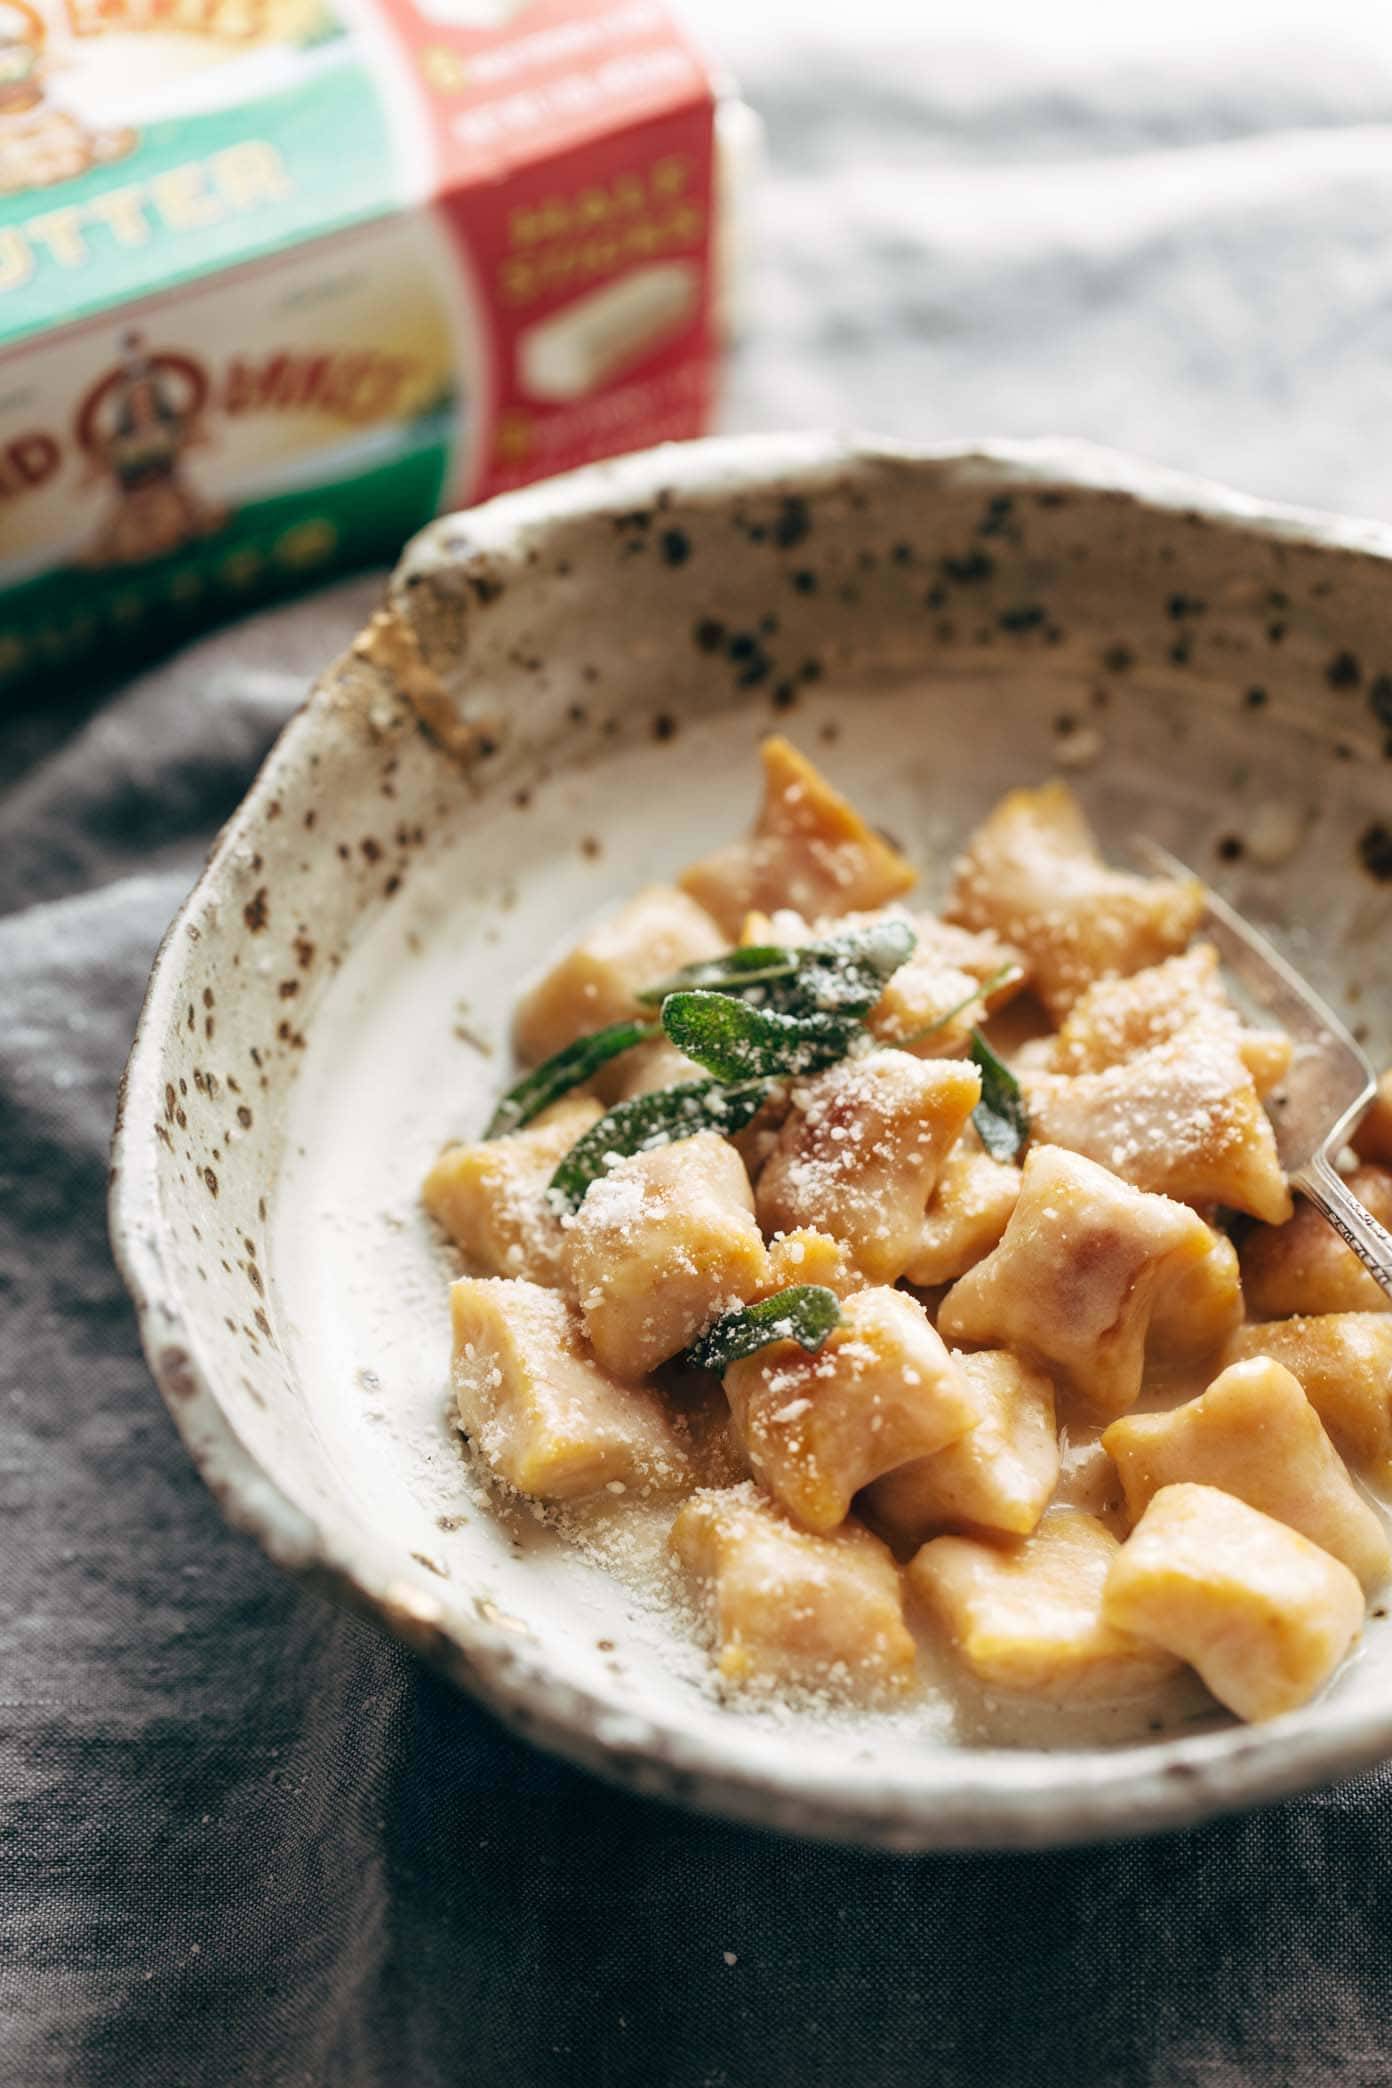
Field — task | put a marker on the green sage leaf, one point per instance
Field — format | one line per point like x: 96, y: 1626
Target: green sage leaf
x: 805, y: 1313
x: 735, y: 971
x: 843, y: 974
x: 652, y: 1120
x: 1000, y: 1117
x: 565, y: 1070
x: 736, y: 1041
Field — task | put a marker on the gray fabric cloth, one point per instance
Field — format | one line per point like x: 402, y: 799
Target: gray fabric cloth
x: 244, y: 1839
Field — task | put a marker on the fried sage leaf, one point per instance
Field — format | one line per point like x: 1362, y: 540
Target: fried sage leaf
x: 735, y: 971
x: 565, y: 1070
x: 1000, y: 1117
x: 847, y: 973
x: 736, y: 1041
x: 841, y: 975
x: 653, y: 1120
x: 804, y: 1313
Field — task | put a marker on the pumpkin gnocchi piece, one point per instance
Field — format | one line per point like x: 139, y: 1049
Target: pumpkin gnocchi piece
x: 1182, y: 1119
x: 1373, y: 1138
x: 1304, y: 1267
x: 757, y: 929
x: 809, y: 850
x: 1000, y: 1475
x: 491, y: 1197
x: 545, y: 1417
x: 881, y: 1391
x: 1077, y: 1276
x: 647, y: 1067
x: 659, y: 1247
x: 1117, y: 1018
x: 967, y: 1212
x: 1032, y: 874
x: 808, y: 1256
x: 784, y: 926
x: 1267, y: 1054
x: 861, y: 1150
x: 1198, y: 1311
x: 1026, y: 1618
x: 953, y: 980
x: 656, y: 933
x: 1344, y: 1362
x: 824, y: 1613
x: 1262, y: 1613
x: 1255, y: 1435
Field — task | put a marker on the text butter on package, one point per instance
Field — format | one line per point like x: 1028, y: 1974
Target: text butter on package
x: 279, y: 279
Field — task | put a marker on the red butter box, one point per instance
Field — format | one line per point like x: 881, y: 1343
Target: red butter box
x: 281, y: 278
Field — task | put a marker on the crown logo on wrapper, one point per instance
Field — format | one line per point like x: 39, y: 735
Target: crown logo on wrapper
x: 134, y: 427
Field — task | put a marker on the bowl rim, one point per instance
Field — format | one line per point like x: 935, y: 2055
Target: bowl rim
x: 969, y: 1799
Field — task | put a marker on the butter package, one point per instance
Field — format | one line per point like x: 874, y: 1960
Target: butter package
x: 279, y: 279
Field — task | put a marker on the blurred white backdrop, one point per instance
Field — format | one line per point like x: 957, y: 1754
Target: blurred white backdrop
x: 1078, y: 31
x: 1166, y: 229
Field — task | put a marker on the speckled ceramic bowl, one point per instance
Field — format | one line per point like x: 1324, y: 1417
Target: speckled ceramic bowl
x: 561, y: 699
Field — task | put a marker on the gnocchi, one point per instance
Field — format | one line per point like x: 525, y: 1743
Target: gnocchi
x: 881, y: 1391
x: 810, y: 850
x: 936, y: 1270
x: 861, y: 1151
x: 1033, y: 875
x: 1028, y: 1617
x: 1000, y: 1474
x: 1264, y: 1615
x: 545, y: 1416
x: 659, y: 1244
x: 791, y: 1608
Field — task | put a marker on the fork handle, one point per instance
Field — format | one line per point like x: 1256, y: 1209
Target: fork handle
x: 1327, y: 1190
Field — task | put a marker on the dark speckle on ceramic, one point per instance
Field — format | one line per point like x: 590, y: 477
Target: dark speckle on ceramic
x: 177, y: 1379
x: 1380, y: 700
x: 1375, y: 850
x: 968, y: 569
x: 1014, y: 586
x: 793, y: 523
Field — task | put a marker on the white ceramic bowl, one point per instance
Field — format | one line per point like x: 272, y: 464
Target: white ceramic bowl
x: 562, y: 699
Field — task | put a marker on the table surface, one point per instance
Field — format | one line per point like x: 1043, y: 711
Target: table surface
x: 245, y: 1839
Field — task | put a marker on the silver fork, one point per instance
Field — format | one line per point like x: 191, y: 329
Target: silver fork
x: 1330, y: 1083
